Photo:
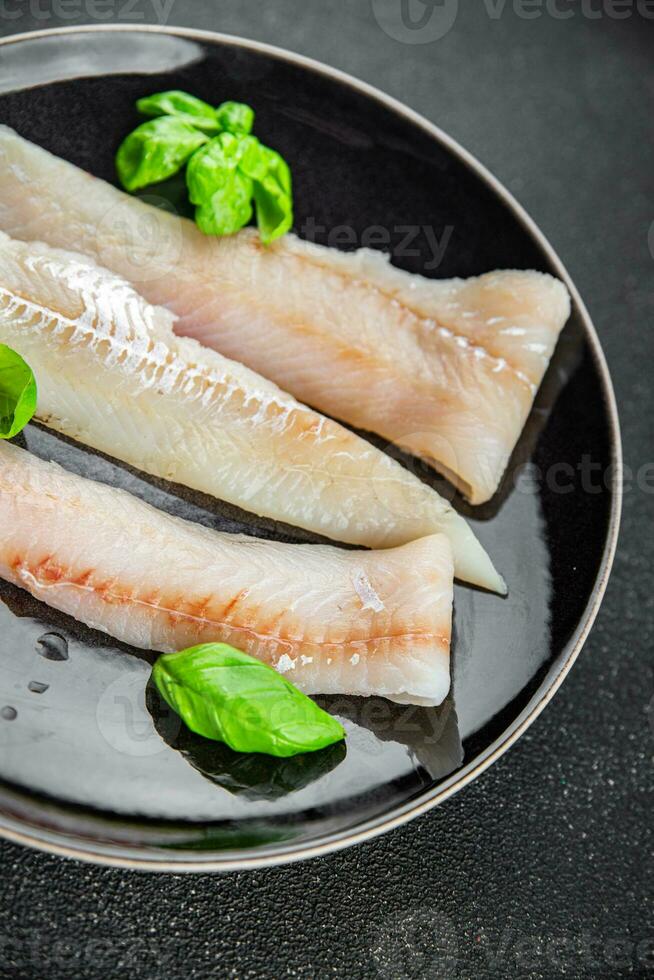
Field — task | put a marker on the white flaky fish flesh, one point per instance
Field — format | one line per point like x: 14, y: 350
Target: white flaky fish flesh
x: 446, y: 369
x: 111, y: 373
x: 333, y: 620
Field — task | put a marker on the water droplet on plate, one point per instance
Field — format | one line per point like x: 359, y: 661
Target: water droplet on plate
x: 8, y: 713
x: 37, y: 687
x: 53, y: 646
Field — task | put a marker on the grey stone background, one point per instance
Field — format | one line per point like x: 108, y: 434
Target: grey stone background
x: 543, y: 867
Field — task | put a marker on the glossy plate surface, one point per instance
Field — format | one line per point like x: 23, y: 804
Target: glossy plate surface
x: 90, y: 763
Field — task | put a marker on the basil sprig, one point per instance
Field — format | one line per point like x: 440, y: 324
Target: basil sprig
x: 229, y: 171
x: 226, y: 695
x: 17, y: 393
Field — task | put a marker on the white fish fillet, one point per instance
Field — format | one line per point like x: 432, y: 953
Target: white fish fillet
x: 336, y: 621
x: 112, y: 374
x: 446, y: 369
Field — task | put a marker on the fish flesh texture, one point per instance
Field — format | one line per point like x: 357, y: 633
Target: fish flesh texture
x: 446, y: 369
x: 111, y: 373
x: 334, y: 621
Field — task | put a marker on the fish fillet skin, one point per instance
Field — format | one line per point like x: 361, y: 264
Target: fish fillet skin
x: 111, y: 373
x: 332, y: 620
x: 446, y: 369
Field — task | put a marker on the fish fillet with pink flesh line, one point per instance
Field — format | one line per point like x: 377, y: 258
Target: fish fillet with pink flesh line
x: 335, y: 621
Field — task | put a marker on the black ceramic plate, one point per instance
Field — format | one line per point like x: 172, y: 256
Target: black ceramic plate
x: 90, y: 765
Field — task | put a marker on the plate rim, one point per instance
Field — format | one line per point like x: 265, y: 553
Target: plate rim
x: 144, y: 859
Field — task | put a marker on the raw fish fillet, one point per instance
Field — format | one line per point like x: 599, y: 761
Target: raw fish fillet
x: 112, y: 374
x: 446, y: 369
x: 335, y: 621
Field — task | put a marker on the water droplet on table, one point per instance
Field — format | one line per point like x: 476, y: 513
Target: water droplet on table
x: 52, y: 646
x: 37, y: 687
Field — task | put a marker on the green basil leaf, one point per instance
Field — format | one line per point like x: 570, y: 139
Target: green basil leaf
x: 235, y: 117
x: 272, y: 187
x: 228, y: 208
x: 185, y: 107
x: 222, y: 193
x: 254, y: 159
x: 249, y: 774
x: 210, y: 167
x: 17, y: 393
x: 279, y: 169
x: 274, y: 198
x: 224, y: 694
x: 156, y: 150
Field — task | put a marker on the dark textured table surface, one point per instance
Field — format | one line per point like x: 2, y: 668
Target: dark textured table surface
x: 543, y: 867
